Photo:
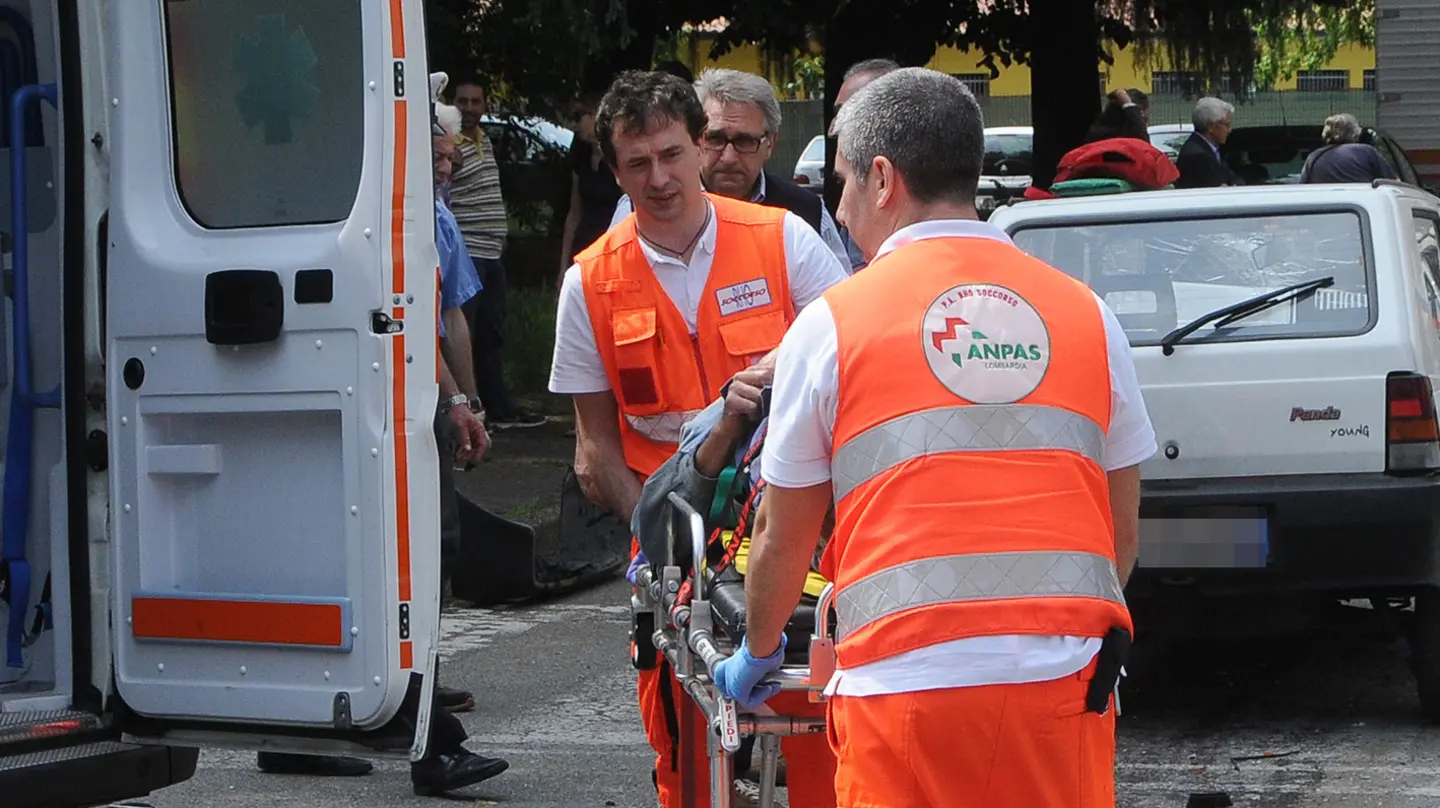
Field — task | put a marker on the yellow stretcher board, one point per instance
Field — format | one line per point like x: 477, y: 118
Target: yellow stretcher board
x: 814, y: 582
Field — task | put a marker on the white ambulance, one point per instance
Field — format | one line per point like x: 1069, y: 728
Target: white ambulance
x: 217, y: 384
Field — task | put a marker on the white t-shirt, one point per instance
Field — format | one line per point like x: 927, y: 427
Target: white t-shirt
x: 576, y: 367
x: 797, y: 455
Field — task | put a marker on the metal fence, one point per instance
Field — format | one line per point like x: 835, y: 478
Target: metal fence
x: 804, y: 120
x: 801, y: 121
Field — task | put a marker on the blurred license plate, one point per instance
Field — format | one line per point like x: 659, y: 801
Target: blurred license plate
x: 1232, y: 538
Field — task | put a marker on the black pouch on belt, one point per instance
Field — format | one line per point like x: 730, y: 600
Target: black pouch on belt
x: 1114, y: 650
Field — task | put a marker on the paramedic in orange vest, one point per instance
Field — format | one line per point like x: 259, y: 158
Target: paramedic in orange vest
x: 658, y: 314
x: 974, y: 416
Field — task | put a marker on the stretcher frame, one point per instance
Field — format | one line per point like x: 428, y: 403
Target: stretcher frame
x: 685, y: 634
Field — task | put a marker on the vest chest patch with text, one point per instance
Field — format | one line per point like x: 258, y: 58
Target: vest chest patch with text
x: 743, y: 296
x: 986, y: 343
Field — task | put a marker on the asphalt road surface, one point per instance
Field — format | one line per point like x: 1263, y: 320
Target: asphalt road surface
x: 1329, y: 719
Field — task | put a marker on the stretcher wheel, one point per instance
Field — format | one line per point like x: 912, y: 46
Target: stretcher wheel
x: 642, y: 641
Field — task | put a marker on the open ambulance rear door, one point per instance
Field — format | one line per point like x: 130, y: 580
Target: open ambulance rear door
x: 272, y: 373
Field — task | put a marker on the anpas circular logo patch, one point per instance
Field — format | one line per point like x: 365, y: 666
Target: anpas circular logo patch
x: 986, y: 344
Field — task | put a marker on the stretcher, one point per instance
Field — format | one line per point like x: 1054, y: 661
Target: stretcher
x: 695, y: 619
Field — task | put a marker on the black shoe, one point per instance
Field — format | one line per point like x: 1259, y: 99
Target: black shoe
x: 433, y: 777
x: 312, y: 765
x: 518, y: 419
x: 456, y: 701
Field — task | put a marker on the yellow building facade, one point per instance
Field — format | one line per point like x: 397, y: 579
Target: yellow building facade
x: 1355, y: 62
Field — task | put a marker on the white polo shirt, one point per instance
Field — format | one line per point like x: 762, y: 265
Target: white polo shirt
x: 576, y: 367
x: 797, y: 455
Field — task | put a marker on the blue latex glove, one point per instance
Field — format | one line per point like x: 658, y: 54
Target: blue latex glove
x: 738, y: 676
x: 635, y: 564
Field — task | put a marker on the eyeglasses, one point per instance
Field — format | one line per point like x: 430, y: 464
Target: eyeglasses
x: 744, y: 144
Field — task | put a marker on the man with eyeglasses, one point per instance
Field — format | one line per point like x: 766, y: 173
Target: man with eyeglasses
x: 742, y: 128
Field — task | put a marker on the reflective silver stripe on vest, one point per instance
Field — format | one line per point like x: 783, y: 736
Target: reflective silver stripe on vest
x: 662, y: 428
x: 966, y: 428
x: 977, y: 576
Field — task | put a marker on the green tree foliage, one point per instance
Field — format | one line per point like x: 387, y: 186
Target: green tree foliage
x: 542, y: 53
x: 539, y: 55
x: 1243, y: 42
x: 1309, y: 39
x: 807, y: 77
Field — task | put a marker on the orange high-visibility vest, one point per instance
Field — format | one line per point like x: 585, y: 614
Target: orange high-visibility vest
x: 971, y: 495
x: 661, y: 375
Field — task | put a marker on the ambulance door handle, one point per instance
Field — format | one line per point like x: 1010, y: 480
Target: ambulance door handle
x: 243, y: 306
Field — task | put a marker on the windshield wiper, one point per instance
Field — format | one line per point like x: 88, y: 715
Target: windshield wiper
x: 1245, y: 308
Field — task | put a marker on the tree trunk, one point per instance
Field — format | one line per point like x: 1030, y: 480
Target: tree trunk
x: 860, y: 31
x: 1064, y: 80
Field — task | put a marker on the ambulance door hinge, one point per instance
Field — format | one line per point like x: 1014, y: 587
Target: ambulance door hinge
x: 97, y: 450
x: 382, y: 323
x: 404, y: 621
x: 342, y: 711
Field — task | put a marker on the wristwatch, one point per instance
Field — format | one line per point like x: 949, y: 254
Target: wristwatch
x: 452, y: 402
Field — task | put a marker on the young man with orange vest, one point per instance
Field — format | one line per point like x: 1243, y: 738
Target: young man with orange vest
x: 659, y: 313
x: 974, y: 417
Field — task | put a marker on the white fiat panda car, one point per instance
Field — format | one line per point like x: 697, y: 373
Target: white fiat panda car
x: 1287, y: 340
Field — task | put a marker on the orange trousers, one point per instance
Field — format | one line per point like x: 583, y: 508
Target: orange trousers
x: 997, y: 746
x: 809, y: 761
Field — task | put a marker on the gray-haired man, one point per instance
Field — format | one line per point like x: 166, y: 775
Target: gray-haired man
x: 1199, y: 160
x: 934, y: 679
x: 860, y: 74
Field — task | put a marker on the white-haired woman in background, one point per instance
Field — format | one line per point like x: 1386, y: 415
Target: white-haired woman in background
x: 1344, y: 158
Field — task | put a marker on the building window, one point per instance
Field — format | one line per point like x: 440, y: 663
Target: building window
x: 1370, y: 80
x: 1171, y: 82
x: 1192, y: 85
x: 1322, y: 81
x: 268, y: 109
x: 978, y: 83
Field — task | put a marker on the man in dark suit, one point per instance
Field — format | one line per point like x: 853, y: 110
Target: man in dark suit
x: 1199, y: 162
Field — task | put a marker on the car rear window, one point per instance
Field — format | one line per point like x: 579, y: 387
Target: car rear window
x: 1277, y: 162
x: 1169, y: 142
x: 1160, y: 275
x: 815, y: 151
x: 1009, y: 154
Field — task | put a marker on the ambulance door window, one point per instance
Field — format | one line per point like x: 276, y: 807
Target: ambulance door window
x: 267, y: 111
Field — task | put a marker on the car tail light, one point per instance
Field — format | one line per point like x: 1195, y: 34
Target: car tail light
x: 801, y: 179
x: 1412, y: 436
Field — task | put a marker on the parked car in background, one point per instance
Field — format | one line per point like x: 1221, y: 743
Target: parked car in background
x: 526, y: 140
x: 1169, y: 137
x: 1009, y: 154
x: 1287, y: 341
x: 533, y: 157
x: 810, y: 168
x: 1274, y: 155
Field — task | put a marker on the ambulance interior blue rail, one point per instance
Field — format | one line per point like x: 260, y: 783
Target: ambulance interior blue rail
x: 696, y: 636
x: 18, y: 68
x: 20, y: 439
